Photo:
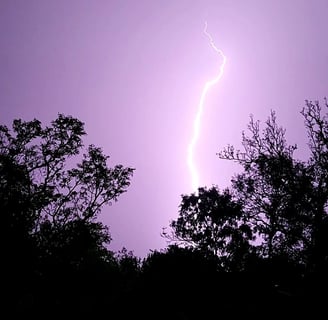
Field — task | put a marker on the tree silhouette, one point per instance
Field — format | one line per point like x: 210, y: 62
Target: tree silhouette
x: 259, y: 245
x: 269, y: 230
x: 213, y: 222
x: 285, y: 199
x: 274, y: 189
x: 50, y: 201
x: 316, y: 124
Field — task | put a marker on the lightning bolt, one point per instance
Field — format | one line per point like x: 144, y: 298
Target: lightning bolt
x: 200, y: 109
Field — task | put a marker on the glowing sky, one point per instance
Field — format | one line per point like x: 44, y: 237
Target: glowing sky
x: 134, y: 72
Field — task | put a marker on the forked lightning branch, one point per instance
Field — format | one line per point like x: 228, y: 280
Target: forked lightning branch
x: 197, y: 122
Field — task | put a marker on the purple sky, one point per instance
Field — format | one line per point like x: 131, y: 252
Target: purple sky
x: 133, y: 71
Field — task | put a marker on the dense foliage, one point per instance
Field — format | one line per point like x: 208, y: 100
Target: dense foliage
x: 50, y: 197
x: 275, y: 208
x: 258, y: 248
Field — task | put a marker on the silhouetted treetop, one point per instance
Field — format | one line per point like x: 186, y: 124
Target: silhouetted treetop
x: 269, y: 142
x: 276, y: 208
x: 212, y: 222
x: 285, y: 199
x: 50, y: 197
x: 59, y: 191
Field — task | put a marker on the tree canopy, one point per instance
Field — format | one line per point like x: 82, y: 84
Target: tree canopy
x: 50, y: 197
x: 259, y: 244
x: 276, y: 206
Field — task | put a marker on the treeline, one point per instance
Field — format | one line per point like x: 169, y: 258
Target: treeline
x: 258, y: 248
